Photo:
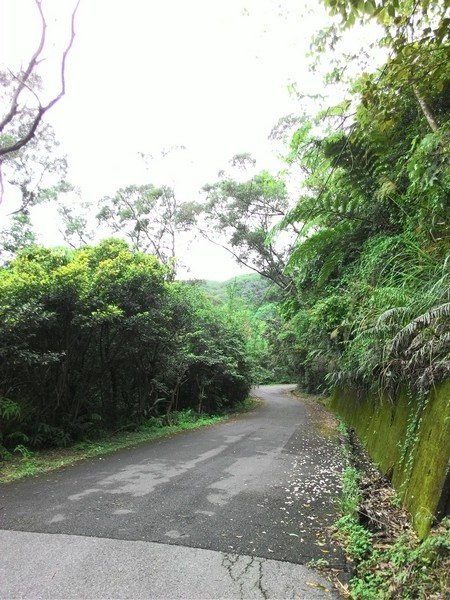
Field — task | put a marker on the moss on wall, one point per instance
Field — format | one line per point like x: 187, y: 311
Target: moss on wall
x: 409, y: 440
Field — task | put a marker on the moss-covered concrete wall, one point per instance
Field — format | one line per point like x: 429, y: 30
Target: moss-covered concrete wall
x: 409, y: 439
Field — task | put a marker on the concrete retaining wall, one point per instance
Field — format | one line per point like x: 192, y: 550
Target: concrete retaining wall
x: 409, y: 440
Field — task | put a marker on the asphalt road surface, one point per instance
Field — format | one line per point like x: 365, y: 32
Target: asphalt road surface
x: 234, y: 510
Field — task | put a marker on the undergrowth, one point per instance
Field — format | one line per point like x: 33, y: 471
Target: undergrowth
x: 407, y: 569
x: 24, y: 462
x: 355, y: 537
x: 397, y: 568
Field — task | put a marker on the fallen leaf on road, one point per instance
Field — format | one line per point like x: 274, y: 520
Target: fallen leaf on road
x: 317, y: 585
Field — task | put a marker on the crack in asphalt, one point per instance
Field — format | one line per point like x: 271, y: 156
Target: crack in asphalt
x: 107, y: 568
x: 229, y: 561
x: 263, y: 591
x: 239, y: 570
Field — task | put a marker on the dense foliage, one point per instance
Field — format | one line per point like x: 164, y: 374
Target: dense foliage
x: 254, y: 303
x: 371, y: 264
x: 98, y: 339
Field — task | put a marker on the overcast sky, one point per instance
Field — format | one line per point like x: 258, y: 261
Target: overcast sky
x: 143, y: 75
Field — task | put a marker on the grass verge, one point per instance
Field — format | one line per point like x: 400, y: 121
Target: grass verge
x: 390, y: 561
x: 26, y: 463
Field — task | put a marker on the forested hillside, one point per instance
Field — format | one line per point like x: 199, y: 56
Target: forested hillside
x: 253, y: 289
x: 371, y: 263
x: 372, y: 268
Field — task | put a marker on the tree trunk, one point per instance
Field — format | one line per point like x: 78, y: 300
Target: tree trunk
x: 428, y: 113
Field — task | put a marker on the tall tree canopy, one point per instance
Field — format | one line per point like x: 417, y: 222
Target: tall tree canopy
x: 240, y: 215
x: 150, y: 217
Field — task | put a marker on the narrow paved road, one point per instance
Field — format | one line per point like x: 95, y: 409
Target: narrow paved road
x: 235, y: 510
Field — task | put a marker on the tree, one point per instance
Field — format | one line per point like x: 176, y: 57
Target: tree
x: 24, y: 110
x: 76, y: 223
x: 18, y: 235
x: 417, y: 35
x: 404, y: 21
x: 37, y: 170
x: 243, y: 214
x: 150, y: 217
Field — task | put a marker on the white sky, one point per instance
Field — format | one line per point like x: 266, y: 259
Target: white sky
x: 144, y: 75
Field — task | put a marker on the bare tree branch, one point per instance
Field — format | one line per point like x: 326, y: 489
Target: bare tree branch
x: 27, y: 137
x: 34, y: 61
x: 25, y: 84
x: 64, y: 58
x: 28, y: 71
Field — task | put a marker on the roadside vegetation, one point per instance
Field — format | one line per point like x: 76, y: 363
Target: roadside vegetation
x: 99, y: 340
x: 371, y: 262
x: 389, y: 560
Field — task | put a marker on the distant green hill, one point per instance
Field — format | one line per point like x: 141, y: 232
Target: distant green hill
x: 253, y: 289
